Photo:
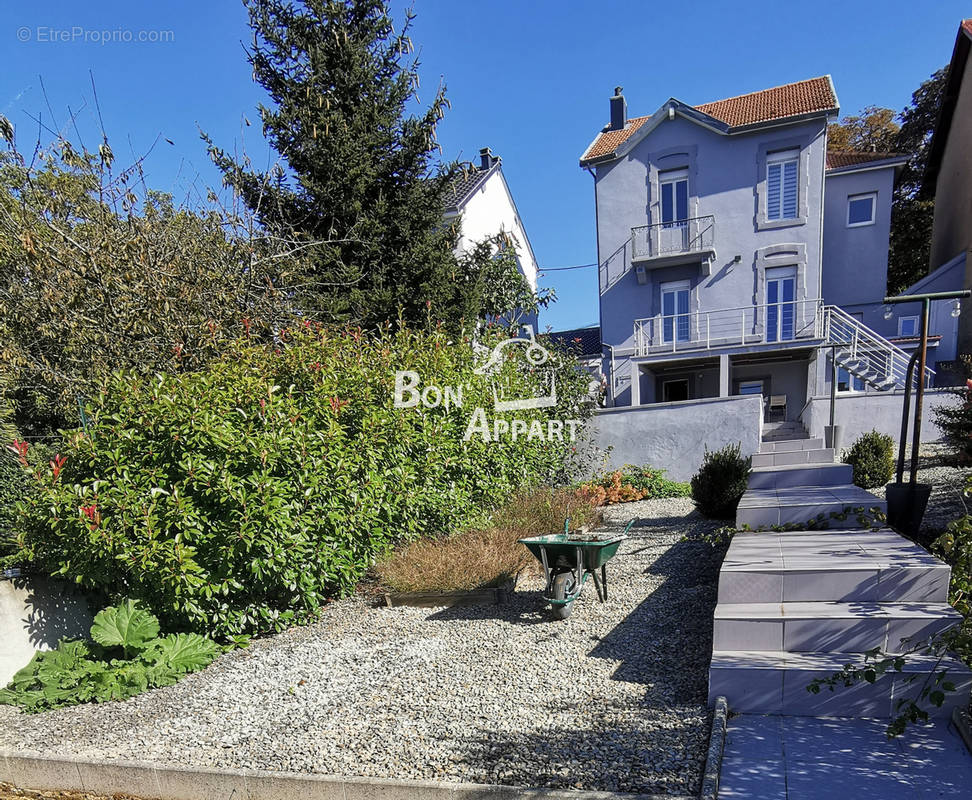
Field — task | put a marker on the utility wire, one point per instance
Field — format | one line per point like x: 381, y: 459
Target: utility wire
x: 562, y: 269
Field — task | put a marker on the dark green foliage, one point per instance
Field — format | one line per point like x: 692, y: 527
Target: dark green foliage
x: 955, y: 422
x: 125, y: 658
x: 720, y: 482
x: 236, y: 500
x: 872, y: 457
x: 16, y: 483
x: 360, y: 181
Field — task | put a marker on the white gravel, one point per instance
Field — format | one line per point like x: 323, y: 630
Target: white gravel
x: 612, y: 698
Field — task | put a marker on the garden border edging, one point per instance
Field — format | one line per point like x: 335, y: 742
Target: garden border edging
x: 148, y: 780
x: 717, y: 745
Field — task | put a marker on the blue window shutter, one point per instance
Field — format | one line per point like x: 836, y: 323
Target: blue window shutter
x: 773, y: 176
x: 790, y: 190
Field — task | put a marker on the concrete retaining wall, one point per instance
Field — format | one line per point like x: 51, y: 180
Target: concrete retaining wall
x: 147, y: 780
x: 673, y: 436
x: 859, y: 413
x: 35, y: 614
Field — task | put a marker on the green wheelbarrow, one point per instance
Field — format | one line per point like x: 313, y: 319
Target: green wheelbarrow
x: 568, y: 558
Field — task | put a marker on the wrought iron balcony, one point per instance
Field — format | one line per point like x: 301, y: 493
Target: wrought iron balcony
x: 670, y: 242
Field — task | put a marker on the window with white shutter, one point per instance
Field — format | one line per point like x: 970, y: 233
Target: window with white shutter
x: 782, y: 174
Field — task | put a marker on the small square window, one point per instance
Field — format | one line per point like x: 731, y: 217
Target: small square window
x: 751, y: 387
x: 860, y: 209
x: 907, y: 326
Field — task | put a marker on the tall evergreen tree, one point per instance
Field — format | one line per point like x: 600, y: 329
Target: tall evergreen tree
x: 360, y: 179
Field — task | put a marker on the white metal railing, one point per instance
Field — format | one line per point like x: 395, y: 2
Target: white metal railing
x: 672, y: 238
x: 867, y: 354
x: 727, y: 327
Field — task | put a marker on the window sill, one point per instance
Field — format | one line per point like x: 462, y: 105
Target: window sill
x: 770, y: 224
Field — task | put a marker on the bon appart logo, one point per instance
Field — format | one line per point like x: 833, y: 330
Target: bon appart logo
x: 411, y: 393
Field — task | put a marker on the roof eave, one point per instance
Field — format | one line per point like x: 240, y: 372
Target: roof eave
x: 794, y: 119
x: 897, y: 163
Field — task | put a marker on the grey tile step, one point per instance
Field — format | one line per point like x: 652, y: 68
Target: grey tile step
x: 794, y: 457
x: 775, y: 682
x: 830, y: 566
x: 786, y: 445
x: 829, y: 627
x: 799, y: 505
x: 801, y: 474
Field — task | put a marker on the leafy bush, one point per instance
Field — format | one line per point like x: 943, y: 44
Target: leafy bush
x: 720, y: 482
x: 16, y: 482
x: 632, y: 483
x: 955, y: 422
x: 872, y: 457
x: 125, y: 658
x: 485, y: 555
x: 235, y: 500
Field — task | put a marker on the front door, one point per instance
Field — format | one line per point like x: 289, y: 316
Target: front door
x: 675, y: 311
x: 780, y: 304
x: 673, y: 391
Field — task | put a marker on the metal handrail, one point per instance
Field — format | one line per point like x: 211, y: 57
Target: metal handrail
x: 645, y: 240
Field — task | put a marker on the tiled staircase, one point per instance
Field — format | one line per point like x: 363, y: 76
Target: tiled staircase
x: 800, y: 604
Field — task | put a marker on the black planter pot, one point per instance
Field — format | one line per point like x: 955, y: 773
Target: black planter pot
x: 906, y: 506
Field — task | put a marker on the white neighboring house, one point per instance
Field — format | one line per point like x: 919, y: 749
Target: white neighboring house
x: 482, y: 200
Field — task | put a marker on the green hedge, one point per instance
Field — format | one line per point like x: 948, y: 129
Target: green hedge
x: 872, y: 457
x: 237, y: 499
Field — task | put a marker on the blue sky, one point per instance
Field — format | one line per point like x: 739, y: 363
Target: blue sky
x: 529, y: 78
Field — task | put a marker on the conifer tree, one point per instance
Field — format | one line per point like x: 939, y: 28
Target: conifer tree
x: 360, y: 180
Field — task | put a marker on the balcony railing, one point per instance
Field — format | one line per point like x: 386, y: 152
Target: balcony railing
x: 770, y: 323
x: 665, y: 239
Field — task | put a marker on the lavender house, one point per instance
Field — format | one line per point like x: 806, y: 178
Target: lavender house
x: 737, y: 258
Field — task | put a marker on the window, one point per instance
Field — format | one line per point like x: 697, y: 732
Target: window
x: 675, y: 311
x: 782, y: 172
x: 780, y: 304
x: 673, y: 391
x: 750, y: 387
x: 860, y: 209
x: 674, y: 197
x: 847, y: 382
x: 907, y: 326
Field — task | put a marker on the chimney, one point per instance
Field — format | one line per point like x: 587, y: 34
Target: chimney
x: 619, y: 110
x: 486, y: 158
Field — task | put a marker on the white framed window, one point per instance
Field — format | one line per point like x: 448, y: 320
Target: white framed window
x: 780, y: 304
x: 675, y: 311
x: 907, y: 326
x: 673, y: 187
x: 750, y: 387
x: 860, y: 209
x: 782, y: 182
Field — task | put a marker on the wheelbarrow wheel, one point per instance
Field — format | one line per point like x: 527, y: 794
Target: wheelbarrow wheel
x: 563, y: 587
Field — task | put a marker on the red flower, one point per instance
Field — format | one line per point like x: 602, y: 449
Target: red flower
x: 20, y: 448
x: 91, y: 512
x: 56, y: 464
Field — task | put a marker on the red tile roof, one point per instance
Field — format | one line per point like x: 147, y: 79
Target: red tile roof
x: 780, y: 102
x: 849, y: 158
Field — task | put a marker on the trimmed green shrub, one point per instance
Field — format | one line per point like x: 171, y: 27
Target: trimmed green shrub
x: 126, y: 657
x: 872, y: 457
x: 955, y: 422
x: 720, y: 482
x: 237, y: 499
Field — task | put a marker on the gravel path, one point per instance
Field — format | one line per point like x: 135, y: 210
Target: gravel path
x: 612, y: 698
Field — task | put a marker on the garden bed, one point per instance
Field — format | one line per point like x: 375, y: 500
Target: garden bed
x: 613, y: 698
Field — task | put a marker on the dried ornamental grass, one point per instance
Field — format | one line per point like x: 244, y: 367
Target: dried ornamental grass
x: 486, y: 556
